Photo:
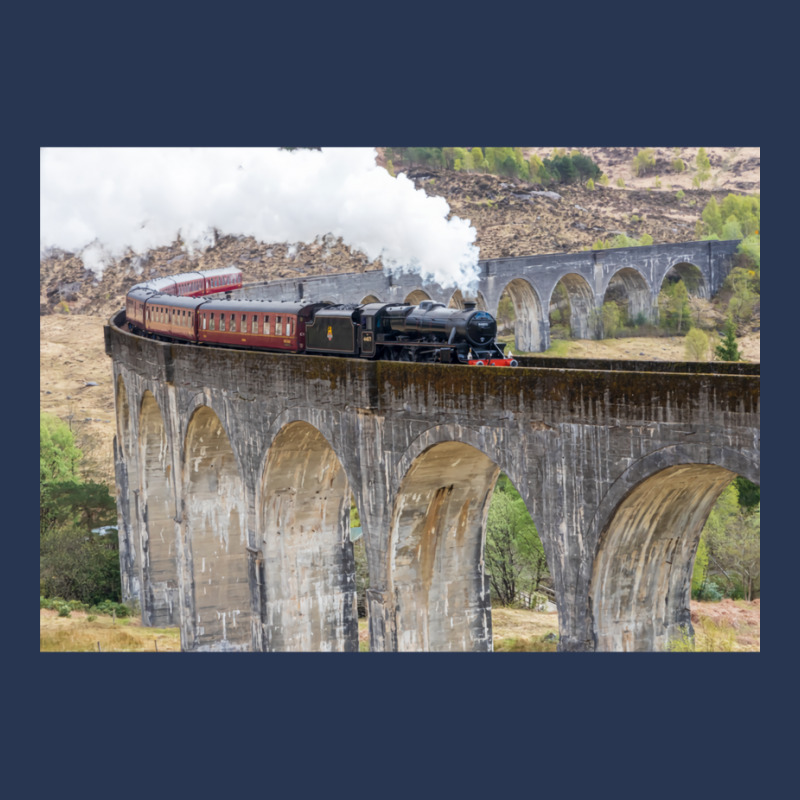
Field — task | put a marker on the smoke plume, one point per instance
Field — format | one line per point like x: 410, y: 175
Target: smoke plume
x: 104, y: 203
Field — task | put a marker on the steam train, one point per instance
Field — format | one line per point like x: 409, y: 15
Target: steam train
x: 187, y: 308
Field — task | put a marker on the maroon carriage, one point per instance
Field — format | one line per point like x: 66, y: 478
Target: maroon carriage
x: 170, y: 317
x: 222, y: 280
x: 261, y: 324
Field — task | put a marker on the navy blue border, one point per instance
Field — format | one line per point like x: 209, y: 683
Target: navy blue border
x: 383, y: 724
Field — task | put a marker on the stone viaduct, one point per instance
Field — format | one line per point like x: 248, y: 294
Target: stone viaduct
x: 235, y: 472
x: 634, y: 275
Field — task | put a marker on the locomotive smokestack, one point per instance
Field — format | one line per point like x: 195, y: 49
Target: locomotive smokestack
x: 469, y: 303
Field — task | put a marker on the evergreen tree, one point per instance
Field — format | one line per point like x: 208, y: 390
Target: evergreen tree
x: 728, y: 350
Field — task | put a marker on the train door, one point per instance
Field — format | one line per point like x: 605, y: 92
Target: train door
x: 367, y: 336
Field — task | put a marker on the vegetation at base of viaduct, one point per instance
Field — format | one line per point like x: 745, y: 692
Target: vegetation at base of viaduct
x: 76, y: 563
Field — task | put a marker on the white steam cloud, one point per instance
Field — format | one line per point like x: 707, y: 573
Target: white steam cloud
x: 106, y: 202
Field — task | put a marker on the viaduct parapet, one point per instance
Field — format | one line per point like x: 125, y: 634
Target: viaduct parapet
x: 633, y: 274
x: 235, y: 472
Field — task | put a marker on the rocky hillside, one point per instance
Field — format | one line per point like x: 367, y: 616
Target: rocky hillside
x: 511, y: 218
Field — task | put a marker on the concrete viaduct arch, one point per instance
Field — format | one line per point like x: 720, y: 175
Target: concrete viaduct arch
x: 636, y: 273
x: 263, y: 451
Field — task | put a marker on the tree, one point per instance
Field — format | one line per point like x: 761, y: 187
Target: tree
x: 58, y: 455
x: 611, y: 317
x: 745, y: 209
x: 703, y: 164
x: 700, y: 571
x: 750, y: 250
x: 644, y: 161
x: 74, y: 504
x: 712, y: 217
x: 503, y: 565
x: 673, y: 301
x: 461, y: 159
x: 478, y: 161
x: 728, y: 350
x: 697, y: 345
x: 514, y: 554
x: 731, y: 229
x: 743, y: 284
x: 733, y: 537
x: 749, y: 493
x: 75, y: 563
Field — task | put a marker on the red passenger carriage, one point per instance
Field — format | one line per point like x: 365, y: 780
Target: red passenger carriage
x: 264, y: 324
x: 222, y: 280
x: 172, y: 317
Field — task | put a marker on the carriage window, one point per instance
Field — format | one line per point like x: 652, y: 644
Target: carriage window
x: 289, y: 326
x: 255, y: 323
x: 278, y: 321
x: 205, y: 321
x: 222, y: 322
x: 266, y: 323
x: 243, y: 329
x: 233, y: 322
x: 211, y: 324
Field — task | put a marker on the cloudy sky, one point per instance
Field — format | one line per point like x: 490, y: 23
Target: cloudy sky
x: 104, y: 202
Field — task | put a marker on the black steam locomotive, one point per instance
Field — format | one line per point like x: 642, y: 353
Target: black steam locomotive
x: 427, y: 332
